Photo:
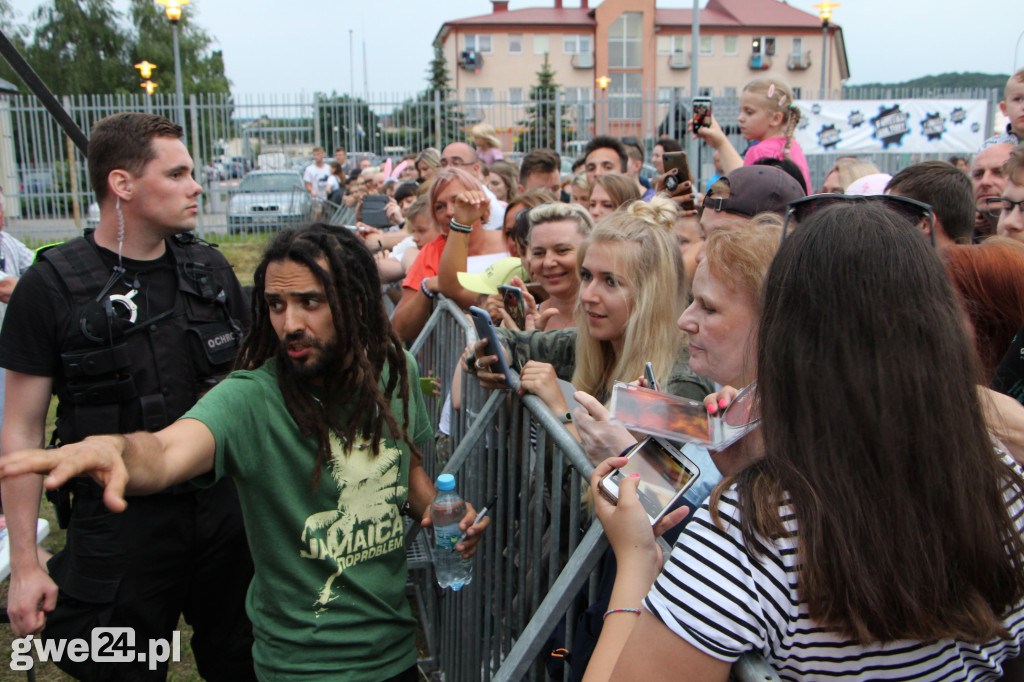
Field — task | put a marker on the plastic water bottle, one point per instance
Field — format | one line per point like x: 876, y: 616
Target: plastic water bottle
x: 446, y: 511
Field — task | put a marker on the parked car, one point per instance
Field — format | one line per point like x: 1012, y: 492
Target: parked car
x: 266, y: 200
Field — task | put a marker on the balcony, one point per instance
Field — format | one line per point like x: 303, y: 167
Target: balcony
x: 471, y: 60
x: 760, y: 62
x: 679, y: 60
x: 583, y: 60
x: 799, y: 61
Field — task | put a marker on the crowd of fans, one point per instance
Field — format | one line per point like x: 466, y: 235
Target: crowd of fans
x: 873, y: 525
x: 878, y: 289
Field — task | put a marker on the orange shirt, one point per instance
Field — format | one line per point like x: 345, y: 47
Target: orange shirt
x: 426, y: 265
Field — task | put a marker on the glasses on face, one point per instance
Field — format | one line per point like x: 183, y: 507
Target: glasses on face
x: 996, y: 206
x: 454, y: 162
x: 911, y: 209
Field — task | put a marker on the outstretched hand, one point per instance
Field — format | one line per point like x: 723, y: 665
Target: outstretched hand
x: 96, y: 456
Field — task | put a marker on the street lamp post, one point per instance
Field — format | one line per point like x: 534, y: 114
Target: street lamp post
x: 825, y: 12
x: 603, y: 82
x: 173, y: 8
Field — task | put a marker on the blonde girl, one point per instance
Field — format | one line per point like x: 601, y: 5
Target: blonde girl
x: 768, y: 116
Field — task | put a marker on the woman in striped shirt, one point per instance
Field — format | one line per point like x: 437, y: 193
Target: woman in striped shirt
x: 879, y: 536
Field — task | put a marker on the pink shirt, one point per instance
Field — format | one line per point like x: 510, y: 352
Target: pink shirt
x: 772, y: 147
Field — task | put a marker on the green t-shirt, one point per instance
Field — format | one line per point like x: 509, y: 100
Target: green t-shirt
x: 327, y: 600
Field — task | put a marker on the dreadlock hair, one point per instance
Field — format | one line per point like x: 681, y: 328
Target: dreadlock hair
x: 352, y: 288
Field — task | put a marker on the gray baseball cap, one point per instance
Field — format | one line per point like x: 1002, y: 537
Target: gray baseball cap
x: 754, y: 189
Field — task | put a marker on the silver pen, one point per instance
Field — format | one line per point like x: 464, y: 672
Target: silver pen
x: 479, y: 515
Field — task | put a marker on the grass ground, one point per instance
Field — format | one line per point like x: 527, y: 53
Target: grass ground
x: 244, y: 254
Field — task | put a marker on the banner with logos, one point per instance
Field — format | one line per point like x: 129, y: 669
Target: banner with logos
x: 954, y: 126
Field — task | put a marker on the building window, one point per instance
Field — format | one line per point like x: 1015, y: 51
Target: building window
x: 705, y: 92
x: 707, y: 46
x: 576, y: 44
x: 624, y: 100
x: 625, y: 42
x: 478, y: 99
x: 515, y: 96
x: 798, y: 45
x: 730, y: 46
x: 763, y: 45
x: 541, y: 44
x: 666, y: 95
x: 579, y: 104
x: 481, y: 42
x: 515, y: 43
x: 671, y: 45
x: 729, y: 91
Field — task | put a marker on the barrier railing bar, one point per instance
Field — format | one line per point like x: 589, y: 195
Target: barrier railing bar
x: 562, y: 592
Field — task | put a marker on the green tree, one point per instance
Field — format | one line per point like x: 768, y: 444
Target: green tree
x: 79, y: 46
x: 539, y: 127
x: 202, y: 69
x: 421, y: 112
x: 347, y: 121
x: 16, y: 34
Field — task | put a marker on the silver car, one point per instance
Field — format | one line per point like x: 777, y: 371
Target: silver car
x: 269, y: 200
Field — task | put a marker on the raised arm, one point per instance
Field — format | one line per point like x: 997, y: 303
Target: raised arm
x: 471, y: 209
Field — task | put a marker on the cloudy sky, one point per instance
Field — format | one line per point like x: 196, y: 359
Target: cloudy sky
x: 302, y: 46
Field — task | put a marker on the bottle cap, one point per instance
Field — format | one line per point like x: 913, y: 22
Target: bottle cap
x: 446, y: 482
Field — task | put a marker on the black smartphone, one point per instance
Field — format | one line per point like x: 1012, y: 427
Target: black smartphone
x: 679, y: 161
x: 374, y: 210
x: 649, y: 378
x: 665, y: 474
x: 485, y: 330
x: 538, y: 292
x: 701, y: 113
x: 512, y: 297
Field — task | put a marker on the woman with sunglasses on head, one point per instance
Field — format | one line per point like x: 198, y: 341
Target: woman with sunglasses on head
x: 879, y: 536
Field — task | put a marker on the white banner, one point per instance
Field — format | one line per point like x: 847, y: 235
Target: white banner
x: 954, y: 126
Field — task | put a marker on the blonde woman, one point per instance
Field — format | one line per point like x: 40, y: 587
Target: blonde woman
x: 632, y: 292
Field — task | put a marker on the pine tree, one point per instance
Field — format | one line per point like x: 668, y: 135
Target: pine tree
x: 452, y: 122
x: 539, y: 126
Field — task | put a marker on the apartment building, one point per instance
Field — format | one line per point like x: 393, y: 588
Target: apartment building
x: 641, y: 52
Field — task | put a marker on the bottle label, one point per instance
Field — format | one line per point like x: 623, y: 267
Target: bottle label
x: 446, y: 538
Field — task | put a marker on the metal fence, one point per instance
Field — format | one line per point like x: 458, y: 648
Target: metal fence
x: 48, y: 193
x: 537, y: 567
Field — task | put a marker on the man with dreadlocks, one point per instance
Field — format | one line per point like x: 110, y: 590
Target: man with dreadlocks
x: 318, y: 429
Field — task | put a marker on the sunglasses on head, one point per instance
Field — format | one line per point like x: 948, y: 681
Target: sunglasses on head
x: 911, y: 209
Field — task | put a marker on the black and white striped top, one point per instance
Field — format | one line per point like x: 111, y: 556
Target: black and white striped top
x: 721, y: 600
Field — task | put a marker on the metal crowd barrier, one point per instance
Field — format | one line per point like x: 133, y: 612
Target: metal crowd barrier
x: 537, y: 567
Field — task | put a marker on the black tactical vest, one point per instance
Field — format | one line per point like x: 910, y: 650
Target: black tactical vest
x: 146, y: 374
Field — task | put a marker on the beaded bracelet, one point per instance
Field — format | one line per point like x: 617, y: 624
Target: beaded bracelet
x: 426, y: 292
x: 459, y: 227
x: 611, y: 611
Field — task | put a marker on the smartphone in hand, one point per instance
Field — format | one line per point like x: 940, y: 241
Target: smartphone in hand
x: 701, y: 113
x: 515, y: 305
x: 665, y: 474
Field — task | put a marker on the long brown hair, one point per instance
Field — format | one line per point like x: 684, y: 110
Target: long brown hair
x: 366, y: 342
x: 874, y: 435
